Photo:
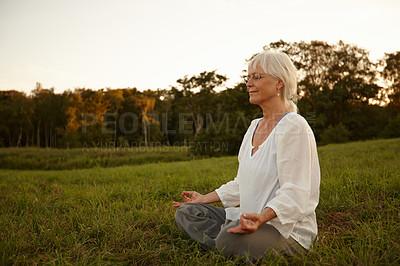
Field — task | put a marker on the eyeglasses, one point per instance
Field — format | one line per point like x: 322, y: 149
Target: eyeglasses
x: 254, y: 76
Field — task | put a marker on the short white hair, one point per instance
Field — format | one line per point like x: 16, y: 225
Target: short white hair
x: 279, y: 65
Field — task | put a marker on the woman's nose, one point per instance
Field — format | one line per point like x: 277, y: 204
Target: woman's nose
x: 249, y: 83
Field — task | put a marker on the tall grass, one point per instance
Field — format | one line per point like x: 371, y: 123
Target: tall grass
x: 124, y: 215
x: 359, y: 210
x: 60, y: 159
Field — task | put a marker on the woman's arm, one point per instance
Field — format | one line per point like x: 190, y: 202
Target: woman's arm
x: 195, y: 197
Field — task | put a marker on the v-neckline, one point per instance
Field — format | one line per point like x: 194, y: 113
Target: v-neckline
x: 255, y: 129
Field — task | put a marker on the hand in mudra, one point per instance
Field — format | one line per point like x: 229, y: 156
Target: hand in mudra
x: 249, y: 223
x: 189, y: 197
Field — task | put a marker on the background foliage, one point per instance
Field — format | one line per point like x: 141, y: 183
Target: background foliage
x: 342, y: 93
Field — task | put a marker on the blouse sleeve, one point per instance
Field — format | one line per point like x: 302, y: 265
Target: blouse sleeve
x: 298, y: 173
x: 229, y: 193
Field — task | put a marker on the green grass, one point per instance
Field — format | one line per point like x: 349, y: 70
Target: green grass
x: 124, y: 215
x: 58, y: 159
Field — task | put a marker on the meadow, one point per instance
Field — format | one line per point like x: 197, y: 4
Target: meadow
x: 80, y: 158
x: 124, y: 215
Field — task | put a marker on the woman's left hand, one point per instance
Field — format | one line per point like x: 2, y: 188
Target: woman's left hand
x: 249, y: 223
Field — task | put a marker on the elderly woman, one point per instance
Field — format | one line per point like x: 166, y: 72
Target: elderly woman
x: 270, y: 205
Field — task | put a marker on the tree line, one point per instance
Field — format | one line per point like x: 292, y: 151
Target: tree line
x: 342, y: 93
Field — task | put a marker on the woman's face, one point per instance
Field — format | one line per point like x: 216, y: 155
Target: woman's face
x: 261, y: 91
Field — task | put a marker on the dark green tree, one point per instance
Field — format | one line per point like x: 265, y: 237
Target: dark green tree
x: 200, y: 96
x: 391, y: 74
x: 16, y: 111
x: 49, y: 115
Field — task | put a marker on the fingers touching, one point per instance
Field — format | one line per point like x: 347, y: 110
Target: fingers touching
x: 248, y: 224
x: 188, y: 197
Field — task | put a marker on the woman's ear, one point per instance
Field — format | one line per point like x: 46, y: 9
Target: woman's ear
x: 280, y: 84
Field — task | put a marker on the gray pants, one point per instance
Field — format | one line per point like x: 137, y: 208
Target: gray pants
x: 206, y: 224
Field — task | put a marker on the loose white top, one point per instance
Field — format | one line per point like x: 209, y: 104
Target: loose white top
x: 282, y: 174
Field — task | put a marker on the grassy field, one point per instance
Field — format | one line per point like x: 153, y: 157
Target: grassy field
x: 124, y: 215
x: 59, y: 159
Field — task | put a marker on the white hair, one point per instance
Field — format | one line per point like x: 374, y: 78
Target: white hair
x: 279, y: 65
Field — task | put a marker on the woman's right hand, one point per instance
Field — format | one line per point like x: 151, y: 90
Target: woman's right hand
x: 189, y: 197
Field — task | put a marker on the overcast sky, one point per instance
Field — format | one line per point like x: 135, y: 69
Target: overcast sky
x: 149, y: 44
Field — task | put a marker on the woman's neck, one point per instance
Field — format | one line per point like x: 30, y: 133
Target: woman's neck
x: 276, y: 113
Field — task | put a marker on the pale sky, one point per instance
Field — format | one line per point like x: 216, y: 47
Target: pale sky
x: 149, y: 44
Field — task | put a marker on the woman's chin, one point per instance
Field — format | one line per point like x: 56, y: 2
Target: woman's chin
x: 253, y: 99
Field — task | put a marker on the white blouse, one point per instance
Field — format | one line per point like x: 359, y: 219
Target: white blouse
x: 282, y: 174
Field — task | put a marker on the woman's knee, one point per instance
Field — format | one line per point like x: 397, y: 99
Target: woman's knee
x: 247, y: 245
x: 185, y: 209
x: 186, y: 213
x: 182, y: 212
x: 223, y: 243
x: 227, y: 243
